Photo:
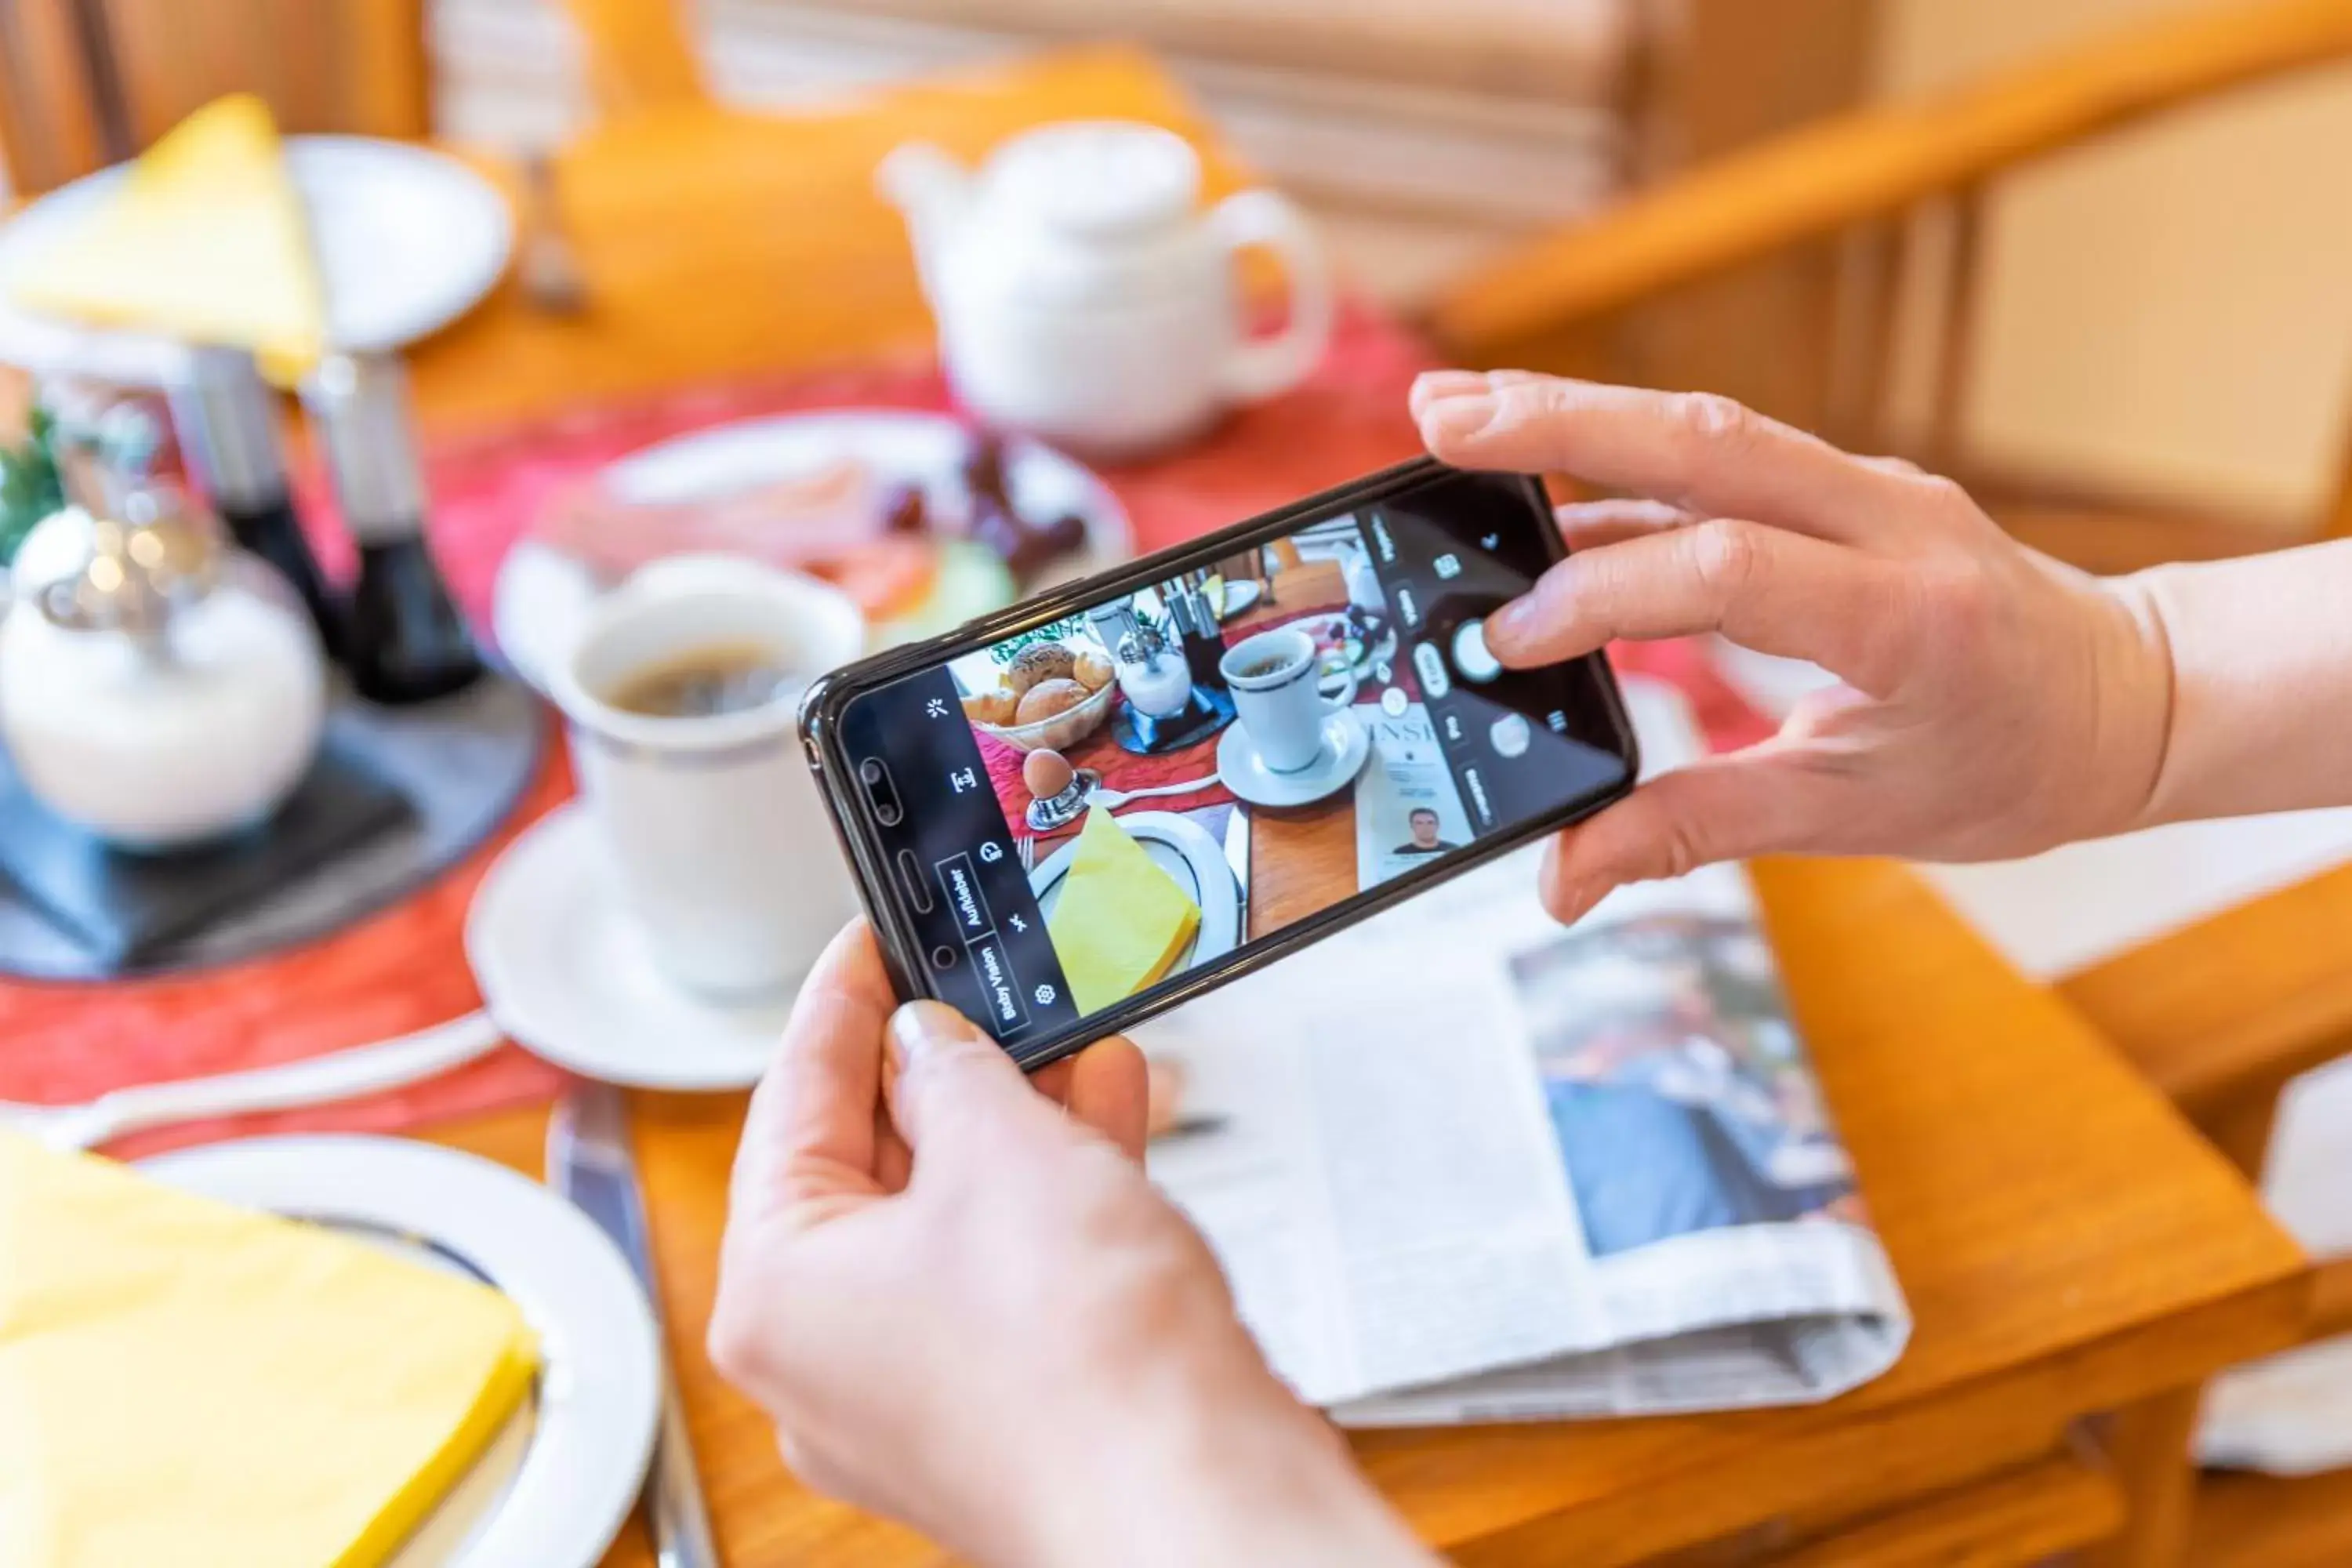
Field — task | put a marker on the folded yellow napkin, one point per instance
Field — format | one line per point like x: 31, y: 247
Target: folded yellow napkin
x: 205, y: 239
x: 186, y: 1385
x: 1121, y: 921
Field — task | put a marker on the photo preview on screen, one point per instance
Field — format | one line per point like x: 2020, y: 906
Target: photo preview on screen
x: 1097, y: 804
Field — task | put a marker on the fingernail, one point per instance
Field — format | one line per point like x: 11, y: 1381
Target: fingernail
x: 1459, y: 418
x: 921, y: 1027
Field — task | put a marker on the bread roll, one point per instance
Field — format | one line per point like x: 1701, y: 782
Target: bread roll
x: 1039, y: 662
x: 1091, y: 670
x: 1047, y: 699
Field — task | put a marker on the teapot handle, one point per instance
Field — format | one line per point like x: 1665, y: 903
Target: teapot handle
x: 1260, y: 368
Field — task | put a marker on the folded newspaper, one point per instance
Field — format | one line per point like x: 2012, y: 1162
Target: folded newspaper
x: 1462, y: 1163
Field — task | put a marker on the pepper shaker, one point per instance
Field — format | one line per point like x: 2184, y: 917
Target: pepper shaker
x: 404, y: 640
x: 227, y: 427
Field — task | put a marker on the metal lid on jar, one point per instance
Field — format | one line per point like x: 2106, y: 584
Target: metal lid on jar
x: 227, y: 422
x: 142, y: 566
x: 359, y: 404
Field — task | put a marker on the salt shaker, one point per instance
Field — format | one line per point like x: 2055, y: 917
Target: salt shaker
x: 404, y: 640
x: 227, y: 427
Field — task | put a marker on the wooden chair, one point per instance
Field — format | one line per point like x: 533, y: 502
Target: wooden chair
x: 86, y: 82
x: 1874, y: 185
x: 2223, y: 1015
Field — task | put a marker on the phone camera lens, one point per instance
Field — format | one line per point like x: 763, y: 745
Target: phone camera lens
x: 881, y: 794
x: 944, y: 957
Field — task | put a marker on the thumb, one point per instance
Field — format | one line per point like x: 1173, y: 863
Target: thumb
x: 952, y: 1085
x: 1761, y: 801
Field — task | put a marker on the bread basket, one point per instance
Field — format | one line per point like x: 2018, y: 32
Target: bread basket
x: 1060, y: 732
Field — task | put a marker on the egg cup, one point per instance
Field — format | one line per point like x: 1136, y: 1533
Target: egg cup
x: 1053, y: 815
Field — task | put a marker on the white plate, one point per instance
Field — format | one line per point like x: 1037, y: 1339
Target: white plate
x: 1183, y: 849
x: 554, y: 1487
x: 1346, y: 745
x: 564, y: 972
x: 408, y: 240
x: 543, y: 594
x: 1238, y: 595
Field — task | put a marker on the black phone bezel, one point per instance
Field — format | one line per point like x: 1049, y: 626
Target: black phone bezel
x: 830, y: 694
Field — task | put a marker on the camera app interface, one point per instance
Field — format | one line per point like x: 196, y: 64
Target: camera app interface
x: 1083, y: 811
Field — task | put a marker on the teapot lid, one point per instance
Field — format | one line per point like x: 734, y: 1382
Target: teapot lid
x: 1102, y: 177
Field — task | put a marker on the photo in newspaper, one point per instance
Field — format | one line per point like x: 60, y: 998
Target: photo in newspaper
x: 1462, y: 1163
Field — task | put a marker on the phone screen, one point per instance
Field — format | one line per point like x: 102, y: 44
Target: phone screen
x: 1175, y: 774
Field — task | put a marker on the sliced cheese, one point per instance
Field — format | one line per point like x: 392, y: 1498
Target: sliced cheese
x: 205, y: 239
x: 1121, y: 921
x: 186, y: 1382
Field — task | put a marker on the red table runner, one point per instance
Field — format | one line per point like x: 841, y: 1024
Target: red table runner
x: 406, y: 969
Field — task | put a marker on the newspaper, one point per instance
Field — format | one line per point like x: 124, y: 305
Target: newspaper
x: 1460, y: 1164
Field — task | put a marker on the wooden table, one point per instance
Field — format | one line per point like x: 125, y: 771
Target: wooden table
x: 2068, y: 1243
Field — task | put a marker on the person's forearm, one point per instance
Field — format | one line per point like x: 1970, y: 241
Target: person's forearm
x: 1225, y: 1475
x: 2261, y: 652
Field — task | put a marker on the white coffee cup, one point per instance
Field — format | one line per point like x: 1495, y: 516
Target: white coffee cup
x: 720, y: 847
x: 1274, y: 678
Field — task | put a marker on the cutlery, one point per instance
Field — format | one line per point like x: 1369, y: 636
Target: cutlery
x: 1237, y: 848
x: 588, y: 1161
x: 320, y: 1081
x: 552, y: 277
x: 1107, y: 797
x: 1024, y: 845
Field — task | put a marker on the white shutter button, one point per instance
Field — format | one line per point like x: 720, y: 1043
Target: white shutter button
x: 1471, y: 660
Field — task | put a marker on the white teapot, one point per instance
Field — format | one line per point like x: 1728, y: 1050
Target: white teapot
x: 1082, y: 298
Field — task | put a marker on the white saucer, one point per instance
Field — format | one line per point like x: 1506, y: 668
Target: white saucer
x: 554, y: 1487
x: 562, y: 971
x: 1346, y: 745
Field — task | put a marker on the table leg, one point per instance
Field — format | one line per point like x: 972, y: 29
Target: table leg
x: 2148, y: 1444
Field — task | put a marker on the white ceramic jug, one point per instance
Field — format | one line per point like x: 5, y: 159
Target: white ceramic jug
x: 1083, y: 299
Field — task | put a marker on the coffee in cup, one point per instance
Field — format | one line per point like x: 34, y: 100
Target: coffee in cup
x: 721, y: 678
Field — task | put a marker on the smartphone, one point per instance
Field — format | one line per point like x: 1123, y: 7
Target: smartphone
x: 1082, y: 811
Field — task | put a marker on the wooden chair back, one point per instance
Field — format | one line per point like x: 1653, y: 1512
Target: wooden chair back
x: 639, y: 56
x: 1881, y: 182
x: 86, y: 82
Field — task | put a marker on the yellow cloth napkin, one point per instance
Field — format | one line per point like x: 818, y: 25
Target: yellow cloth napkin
x: 186, y: 1385
x: 1120, y: 921
x: 205, y: 239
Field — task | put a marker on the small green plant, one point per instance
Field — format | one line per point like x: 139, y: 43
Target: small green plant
x: 31, y: 486
x: 1055, y: 631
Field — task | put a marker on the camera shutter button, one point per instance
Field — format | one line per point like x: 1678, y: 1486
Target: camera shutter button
x: 1471, y: 659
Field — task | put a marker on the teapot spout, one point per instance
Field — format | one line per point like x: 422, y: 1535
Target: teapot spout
x: 933, y: 192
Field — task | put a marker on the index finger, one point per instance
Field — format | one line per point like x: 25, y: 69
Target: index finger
x: 1695, y: 450
x: 810, y: 1127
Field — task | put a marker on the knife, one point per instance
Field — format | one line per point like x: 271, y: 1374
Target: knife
x: 588, y: 1161
x: 1237, y: 848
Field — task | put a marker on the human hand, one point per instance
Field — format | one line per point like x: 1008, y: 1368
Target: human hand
x: 966, y: 1308
x: 1996, y: 701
